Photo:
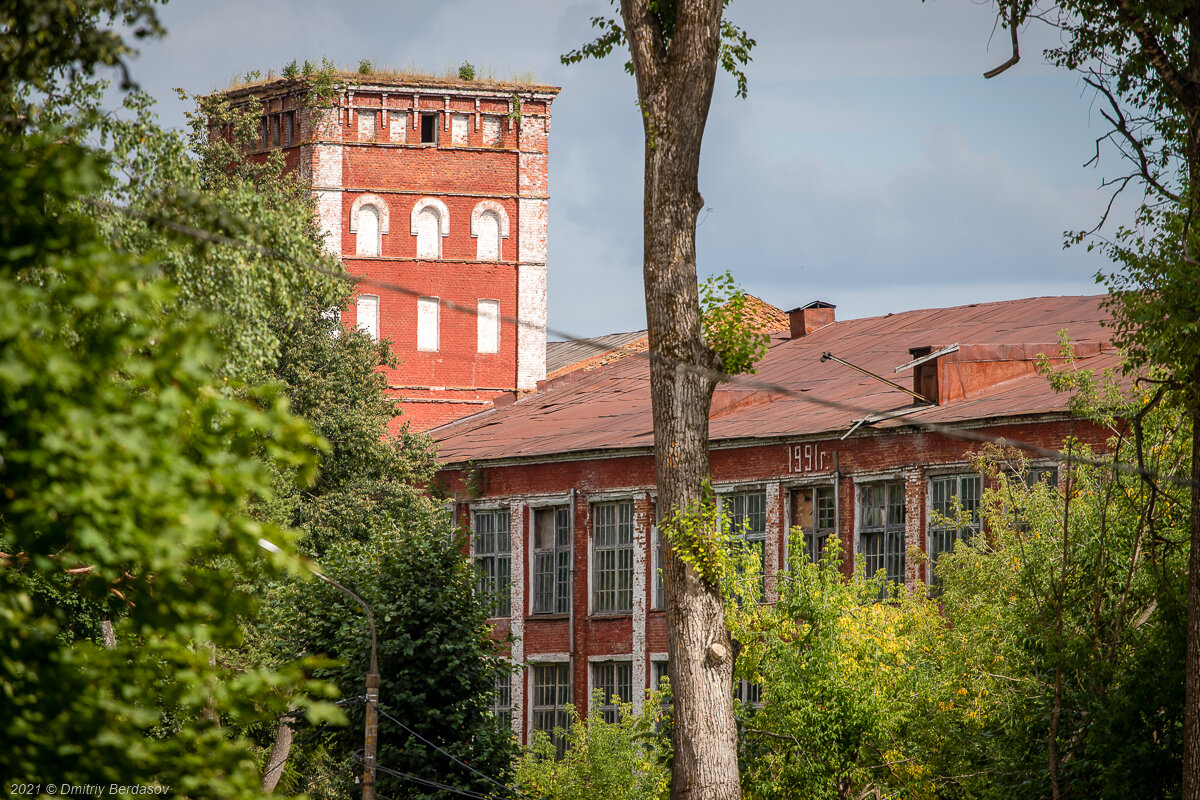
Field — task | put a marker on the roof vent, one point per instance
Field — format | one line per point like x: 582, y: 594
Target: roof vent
x: 806, y: 319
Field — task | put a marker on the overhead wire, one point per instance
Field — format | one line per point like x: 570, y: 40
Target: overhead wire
x: 948, y: 431
x: 448, y: 754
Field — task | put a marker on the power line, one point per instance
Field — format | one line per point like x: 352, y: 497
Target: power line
x: 930, y: 427
x: 423, y: 782
x: 448, y: 754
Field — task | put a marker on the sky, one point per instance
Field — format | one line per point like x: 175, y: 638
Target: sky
x: 872, y: 166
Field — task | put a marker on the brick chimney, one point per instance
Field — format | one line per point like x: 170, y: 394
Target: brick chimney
x: 806, y: 319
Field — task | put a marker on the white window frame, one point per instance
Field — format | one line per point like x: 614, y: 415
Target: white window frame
x: 620, y: 550
x: 621, y: 668
x: 562, y: 692
x: 933, y: 531
x: 494, y: 562
x: 561, y: 553
x: 888, y: 527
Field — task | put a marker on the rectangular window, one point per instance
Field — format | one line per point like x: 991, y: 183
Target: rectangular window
x: 612, y: 558
x: 289, y: 128
x: 266, y: 132
x: 814, y: 512
x: 489, y: 326
x: 881, y: 528
x: 948, y: 496
x: 368, y: 315
x: 748, y: 692
x: 552, y: 560
x: 747, y: 515
x: 427, y: 324
x: 275, y: 119
x: 429, y: 128
x: 658, y: 674
x: 658, y: 541
x: 614, y: 680
x: 551, y: 693
x: 501, y: 706
x: 493, y: 559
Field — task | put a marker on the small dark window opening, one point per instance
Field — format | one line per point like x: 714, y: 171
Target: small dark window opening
x: 429, y: 128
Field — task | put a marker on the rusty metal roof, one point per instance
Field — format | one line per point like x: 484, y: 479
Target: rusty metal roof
x: 563, y: 358
x: 609, y: 408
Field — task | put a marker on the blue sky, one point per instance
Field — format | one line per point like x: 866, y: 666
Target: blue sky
x: 872, y: 165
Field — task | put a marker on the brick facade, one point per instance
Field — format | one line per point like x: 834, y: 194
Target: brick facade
x: 777, y: 470
x: 466, y: 151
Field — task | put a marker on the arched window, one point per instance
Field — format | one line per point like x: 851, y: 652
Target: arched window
x: 430, y: 222
x: 489, y: 224
x: 368, y: 221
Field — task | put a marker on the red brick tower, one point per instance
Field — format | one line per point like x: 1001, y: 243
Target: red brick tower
x: 439, y: 187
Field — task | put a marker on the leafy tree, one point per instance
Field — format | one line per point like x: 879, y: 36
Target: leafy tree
x: 675, y: 48
x: 127, y: 469
x: 437, y: 659
x: 1143, y: 59
x: 623, y: 760
x: 838, y: 688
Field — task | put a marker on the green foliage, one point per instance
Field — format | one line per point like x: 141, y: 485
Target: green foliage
x: 1099, y: 605
x: 466, y: 72
x: 837, y: 673
x: 127, y: 475
x: 291, y: 70
x: 437, y: 659
x: 364, y: 67
x: 727, y: 330
x: 623, y: 760
x: 1154, y: 297
x: 48, y: 44
x: 206, y: 184
x: 252, y: 76
x: 734, y: 55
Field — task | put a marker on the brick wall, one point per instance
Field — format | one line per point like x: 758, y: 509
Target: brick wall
x: 775, y: 469
x: 487, y: 151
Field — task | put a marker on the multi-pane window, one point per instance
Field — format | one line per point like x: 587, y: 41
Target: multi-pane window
x: 612, y: 558
x: 501, y: 706
x: 614, y: 681
x: 658, y: 674
x: 747, y: 515
x: 954, y: 506
x: 814, y: 512
x: 551, y: 693
x: 658, y: 542
x: 748, y: 692
x: 493, y: 559
x: 552, y: 560
x: 1032, y: 477
x: 881, y: 528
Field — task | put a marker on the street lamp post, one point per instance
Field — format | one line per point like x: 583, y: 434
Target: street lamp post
x: 371, y: 744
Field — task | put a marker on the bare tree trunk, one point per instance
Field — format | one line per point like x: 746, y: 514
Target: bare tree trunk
x: 277, y: 758
x: 675, y: 79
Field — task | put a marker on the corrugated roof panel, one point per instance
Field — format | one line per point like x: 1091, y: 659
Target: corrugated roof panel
x: 609, y: 408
